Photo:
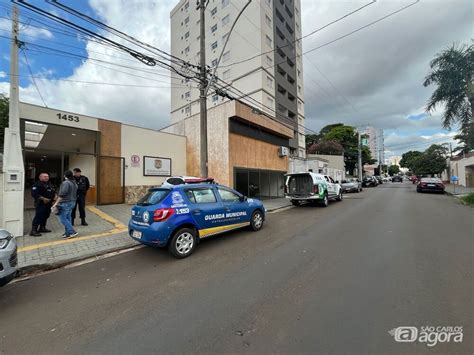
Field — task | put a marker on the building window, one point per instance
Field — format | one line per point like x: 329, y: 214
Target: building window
x: 269, y: 82
x: 186, y: 50
x: 186, y: 6
x: 226, y: 74
x: 224, y: 37
x: 214, y: 28
x: 225, y: 20
x: 226, y: 56
x: 187, y: 94
x: 187, y: 110
x: 214, y: 11
x: 225, y: 3
x: 186, y: 20
x: 214, y: 62
x: 269, y: 61
x: 299, y: 73
x: 270, y: 102
x: 215, y: 98
x: 268, y: 40
x: 214, y: 45
x: 299, y: 89
x: 186, y: 35
x: 268, y: 21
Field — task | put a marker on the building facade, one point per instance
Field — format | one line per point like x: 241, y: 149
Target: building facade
x: 246, y: 149
x: 266, y: 32
x: 375, y: 142
x: 120, y: 160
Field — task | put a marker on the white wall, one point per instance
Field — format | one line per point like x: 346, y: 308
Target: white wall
x: 141, y: 141
x: 49, y: 115
x: 87, y: 164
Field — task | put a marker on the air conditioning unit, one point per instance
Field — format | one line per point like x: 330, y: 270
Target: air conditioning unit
x: 283, y: 151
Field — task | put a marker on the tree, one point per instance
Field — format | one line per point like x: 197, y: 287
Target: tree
x: 409, y: 158
x: 326, y: 147
x: 3, y: 118
x: 432, y: 161
x: 451, y: 70
x: 311, y: 139
x: 326, y: 129
x: 393, y: 170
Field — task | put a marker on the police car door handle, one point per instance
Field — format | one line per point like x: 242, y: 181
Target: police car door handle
x: 197, y: 211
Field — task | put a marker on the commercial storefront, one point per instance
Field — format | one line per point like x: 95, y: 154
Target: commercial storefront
x: 121, y: 161
x: 247, y: 149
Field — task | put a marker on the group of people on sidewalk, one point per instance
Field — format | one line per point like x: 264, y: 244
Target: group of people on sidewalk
x: 70, y: 197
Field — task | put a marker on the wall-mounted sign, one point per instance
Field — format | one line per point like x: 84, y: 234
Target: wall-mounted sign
x: 135, y: 161
x: 156, y: 166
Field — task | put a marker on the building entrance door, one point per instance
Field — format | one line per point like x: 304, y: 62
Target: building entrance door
x: 111, y: 180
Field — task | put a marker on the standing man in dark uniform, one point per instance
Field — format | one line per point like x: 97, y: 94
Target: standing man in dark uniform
x: 44, y: 194
x: 82, y: 187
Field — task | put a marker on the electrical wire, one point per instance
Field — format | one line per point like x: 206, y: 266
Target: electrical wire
x: 33, y: 79
x: 303, y: 37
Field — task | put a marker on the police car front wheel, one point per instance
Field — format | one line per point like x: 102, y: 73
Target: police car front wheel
x: 183, y: 243
x: 256, y: 222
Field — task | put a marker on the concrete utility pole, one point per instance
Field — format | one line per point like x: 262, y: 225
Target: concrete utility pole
x: 359, y: 162
x: 13, y: 168
x: 203, y: 87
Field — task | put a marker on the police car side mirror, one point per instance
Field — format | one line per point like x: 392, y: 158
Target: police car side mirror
x: 243, y: 198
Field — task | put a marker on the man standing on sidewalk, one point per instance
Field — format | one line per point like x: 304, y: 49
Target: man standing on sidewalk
x: 82, y: 187
x: 66, y: 201
x: 44, y: 194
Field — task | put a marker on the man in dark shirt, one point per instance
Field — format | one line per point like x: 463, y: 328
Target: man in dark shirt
x: 82, y: 187
x: 44, y: 194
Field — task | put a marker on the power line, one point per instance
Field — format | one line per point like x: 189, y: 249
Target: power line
x: 94, y: 82
x: 305, y: 36
x: 33, y: 79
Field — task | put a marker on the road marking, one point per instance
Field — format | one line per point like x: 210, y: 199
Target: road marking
x: 119, y: 227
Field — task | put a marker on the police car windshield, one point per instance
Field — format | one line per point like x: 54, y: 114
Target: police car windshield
x: 153, y: 197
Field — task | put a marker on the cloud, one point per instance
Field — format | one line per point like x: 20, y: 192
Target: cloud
x: 417, y: 117
x: 27, y: 30
x: 3, y: 74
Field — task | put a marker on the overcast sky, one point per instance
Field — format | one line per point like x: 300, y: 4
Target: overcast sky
x: 371, y: 77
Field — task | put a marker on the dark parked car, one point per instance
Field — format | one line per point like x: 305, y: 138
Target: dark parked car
x: 369, y: 181
x: 379, y: 179
x: 430, y: 185
x: 351, y: 185
x: 397, y: 178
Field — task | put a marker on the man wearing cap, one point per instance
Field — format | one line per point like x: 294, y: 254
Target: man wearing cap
x: 82, y: 187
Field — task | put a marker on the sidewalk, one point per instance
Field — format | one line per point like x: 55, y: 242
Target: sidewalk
x: 458, y: 190
x: 106, y: 232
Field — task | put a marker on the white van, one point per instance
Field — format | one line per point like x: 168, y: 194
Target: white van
x: 311, y: 187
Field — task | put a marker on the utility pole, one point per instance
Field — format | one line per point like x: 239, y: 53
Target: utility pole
x: 12, y: 200
x: 201, y: 5
x: 359, y: 162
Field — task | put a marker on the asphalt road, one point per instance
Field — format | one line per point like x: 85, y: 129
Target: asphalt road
x: 314, y: 281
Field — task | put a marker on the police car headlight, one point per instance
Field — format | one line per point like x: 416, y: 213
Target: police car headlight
x: 5, y: 241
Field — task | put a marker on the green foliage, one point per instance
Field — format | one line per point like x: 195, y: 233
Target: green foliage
x: 3, y: 118
x: 451, y: 70
x: 393, y: 170
x: 409, y: 158
x: 468, y: 199
x: 312, y: 139
x: 431, y: 162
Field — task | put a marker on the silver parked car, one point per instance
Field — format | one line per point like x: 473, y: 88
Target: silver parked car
x: 8, y: 257
x: 351, y: 185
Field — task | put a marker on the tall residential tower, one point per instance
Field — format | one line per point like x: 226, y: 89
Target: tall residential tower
x: 262, y: 58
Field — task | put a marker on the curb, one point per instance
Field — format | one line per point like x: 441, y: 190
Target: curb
x: 31, y: 270
x: 279, y: 208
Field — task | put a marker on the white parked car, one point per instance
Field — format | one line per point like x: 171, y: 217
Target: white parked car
x: 311, y: 187
x: 8, y: 257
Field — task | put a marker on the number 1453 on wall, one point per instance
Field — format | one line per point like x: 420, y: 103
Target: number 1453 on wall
x: 63, y: 116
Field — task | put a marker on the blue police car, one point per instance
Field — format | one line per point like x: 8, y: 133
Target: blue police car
x: 177, y: 217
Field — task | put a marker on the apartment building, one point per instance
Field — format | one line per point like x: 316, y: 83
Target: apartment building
x: 262, y: 59
x: 375, y: 141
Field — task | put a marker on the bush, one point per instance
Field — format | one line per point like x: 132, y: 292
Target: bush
x: 468, y: 199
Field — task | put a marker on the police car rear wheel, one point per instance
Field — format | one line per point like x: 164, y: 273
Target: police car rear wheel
x: 183, y: 243
x: 256, y: 222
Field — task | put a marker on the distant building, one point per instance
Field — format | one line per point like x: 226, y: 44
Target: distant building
x: 394, y: 160
x: 375, y: 142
